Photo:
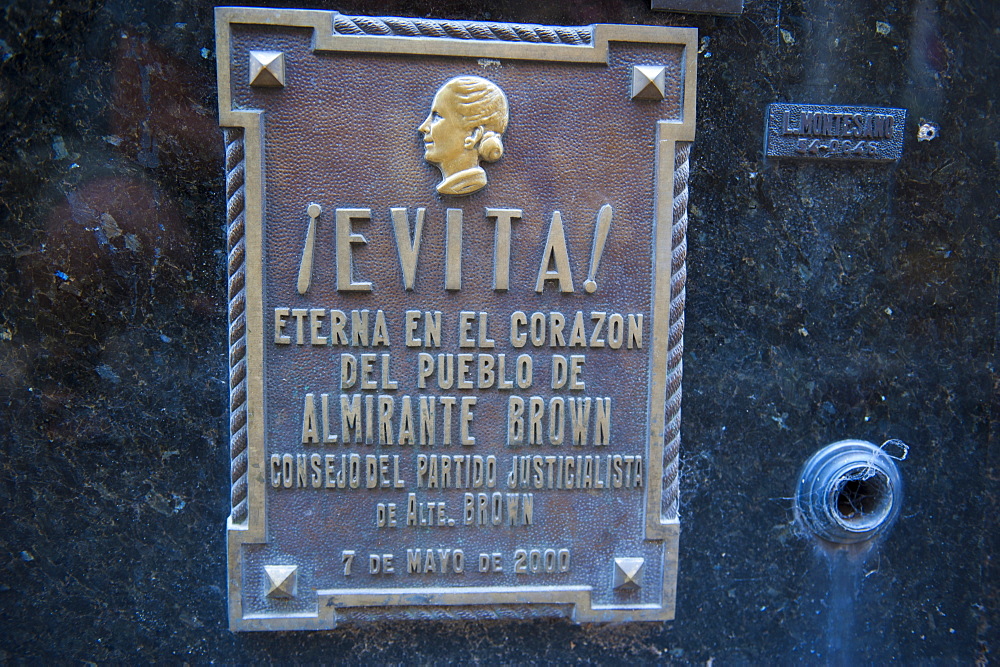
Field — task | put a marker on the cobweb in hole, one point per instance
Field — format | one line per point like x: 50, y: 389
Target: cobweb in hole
x: 859, y: 497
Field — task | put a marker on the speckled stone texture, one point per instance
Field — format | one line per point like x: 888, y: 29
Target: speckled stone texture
x: 825, y: 301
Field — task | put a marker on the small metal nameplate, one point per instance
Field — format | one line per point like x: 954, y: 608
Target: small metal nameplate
x: 456, y: 283
x: 730, y: 7
x: 822, y: 132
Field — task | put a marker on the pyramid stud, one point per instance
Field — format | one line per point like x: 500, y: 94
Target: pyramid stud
x: 628, y: 573
x: 282, y: 581
x: 649, y: 82
x: 267, y: 69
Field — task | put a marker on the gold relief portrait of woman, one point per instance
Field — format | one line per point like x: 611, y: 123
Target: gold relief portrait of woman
x: 465, y: 125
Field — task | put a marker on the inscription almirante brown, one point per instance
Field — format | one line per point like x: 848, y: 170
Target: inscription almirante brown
x: 456, y: 258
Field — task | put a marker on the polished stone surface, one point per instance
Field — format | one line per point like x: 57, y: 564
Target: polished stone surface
x: 825, y: 301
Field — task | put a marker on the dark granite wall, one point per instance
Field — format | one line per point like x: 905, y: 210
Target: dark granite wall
x: 824, y: 301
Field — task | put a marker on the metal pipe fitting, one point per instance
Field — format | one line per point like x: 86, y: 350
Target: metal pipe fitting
x: 849, y: 492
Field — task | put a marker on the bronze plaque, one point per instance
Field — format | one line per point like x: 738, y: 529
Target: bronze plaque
x: 456, y: 282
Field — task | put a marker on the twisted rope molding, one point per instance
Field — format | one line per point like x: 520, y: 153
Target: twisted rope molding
x: 675, y: 340
x: 236, y: 232
x: 506, y: 32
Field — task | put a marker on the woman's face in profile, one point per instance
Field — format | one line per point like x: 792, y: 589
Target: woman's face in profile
x: 444, y: 136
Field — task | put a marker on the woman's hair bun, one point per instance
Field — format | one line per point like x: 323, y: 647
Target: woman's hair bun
x: 490, y: 146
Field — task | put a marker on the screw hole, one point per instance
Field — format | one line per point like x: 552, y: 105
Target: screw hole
x: 859, y: 497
